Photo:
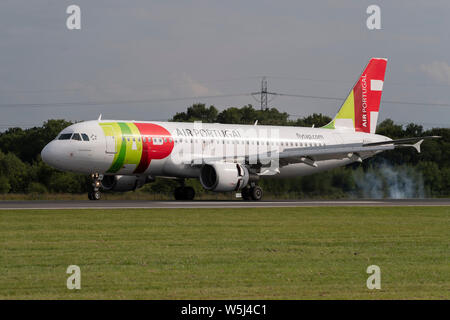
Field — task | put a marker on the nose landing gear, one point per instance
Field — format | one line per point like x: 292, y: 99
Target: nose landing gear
x: 95, y: 194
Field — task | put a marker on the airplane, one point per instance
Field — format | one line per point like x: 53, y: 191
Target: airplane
x: 122, y: 155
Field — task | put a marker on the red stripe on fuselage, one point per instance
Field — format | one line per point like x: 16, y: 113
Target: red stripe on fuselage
x: 151, y: 149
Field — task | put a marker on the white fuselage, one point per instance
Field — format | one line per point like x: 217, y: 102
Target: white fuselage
x: 172, y: 149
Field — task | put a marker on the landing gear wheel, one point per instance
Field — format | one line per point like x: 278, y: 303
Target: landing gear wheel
x: 96, y: 195
x: 189, y: 193
x: 246, y: 194
x: 256, y: 193
x: 178, y: 193
x: 184, y: 193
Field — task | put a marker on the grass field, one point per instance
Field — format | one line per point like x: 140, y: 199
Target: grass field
x: 270, y: 253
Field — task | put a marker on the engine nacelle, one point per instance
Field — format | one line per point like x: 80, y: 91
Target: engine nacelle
x: 223, y: 176
x: 122, y: 183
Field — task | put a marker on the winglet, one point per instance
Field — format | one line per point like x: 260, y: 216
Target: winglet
x: 417, y: 145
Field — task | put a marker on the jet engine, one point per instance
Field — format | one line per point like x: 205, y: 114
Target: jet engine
x: 223, y: 176
x: 122, y: 183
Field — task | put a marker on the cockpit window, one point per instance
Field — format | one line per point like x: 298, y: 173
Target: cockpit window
x: 76, y: 136
x: 65, y: 136
x: 85, y: 137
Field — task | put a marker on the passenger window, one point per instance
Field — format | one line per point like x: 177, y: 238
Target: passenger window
x: 65, y: 136
x: 76, y: 136
x: 85, y: 137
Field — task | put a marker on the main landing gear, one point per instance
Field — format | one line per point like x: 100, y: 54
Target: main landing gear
x: 95, y: 194
x: 252, y: 192
x: 184, y: 193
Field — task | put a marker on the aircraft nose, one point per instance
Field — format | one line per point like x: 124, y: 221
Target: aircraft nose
x: 49, y: 154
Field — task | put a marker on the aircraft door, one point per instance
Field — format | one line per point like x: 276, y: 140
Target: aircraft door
x: 110, y: 144
x: 110, y: 140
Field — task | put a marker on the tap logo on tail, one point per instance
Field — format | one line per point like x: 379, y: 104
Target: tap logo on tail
x: 360, y: 110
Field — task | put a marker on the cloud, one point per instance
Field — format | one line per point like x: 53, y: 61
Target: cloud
x: 187, y: 86
x: 438, y: 71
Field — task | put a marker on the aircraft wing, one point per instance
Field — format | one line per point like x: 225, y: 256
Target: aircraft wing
x: 417, y: 141
x: 351, y: 151
x: 310, y: 155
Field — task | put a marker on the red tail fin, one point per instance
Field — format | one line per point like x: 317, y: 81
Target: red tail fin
x: 360, y: 110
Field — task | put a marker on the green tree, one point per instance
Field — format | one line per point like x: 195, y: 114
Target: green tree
x: 18, y: 173
x: 36, y: 187
x: 4, y: 185
x: 390, y: 129
x: 197, y: 112
x: 316, y: 119
x: 28, y: 144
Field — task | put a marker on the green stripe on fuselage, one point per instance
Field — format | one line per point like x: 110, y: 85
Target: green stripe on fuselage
x: 134, y: 144
x: 127, y: 150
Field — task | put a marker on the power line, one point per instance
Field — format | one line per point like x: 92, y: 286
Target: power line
x: 384, y: 101
x: 263, y: 100
x: 116, y: 102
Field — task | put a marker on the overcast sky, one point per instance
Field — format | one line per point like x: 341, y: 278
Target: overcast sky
x: 158, y: 51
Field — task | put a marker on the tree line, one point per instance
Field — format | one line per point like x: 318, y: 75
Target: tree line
x: 394, y: 173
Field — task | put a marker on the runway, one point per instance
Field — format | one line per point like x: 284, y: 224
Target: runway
x: 131, y: 204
